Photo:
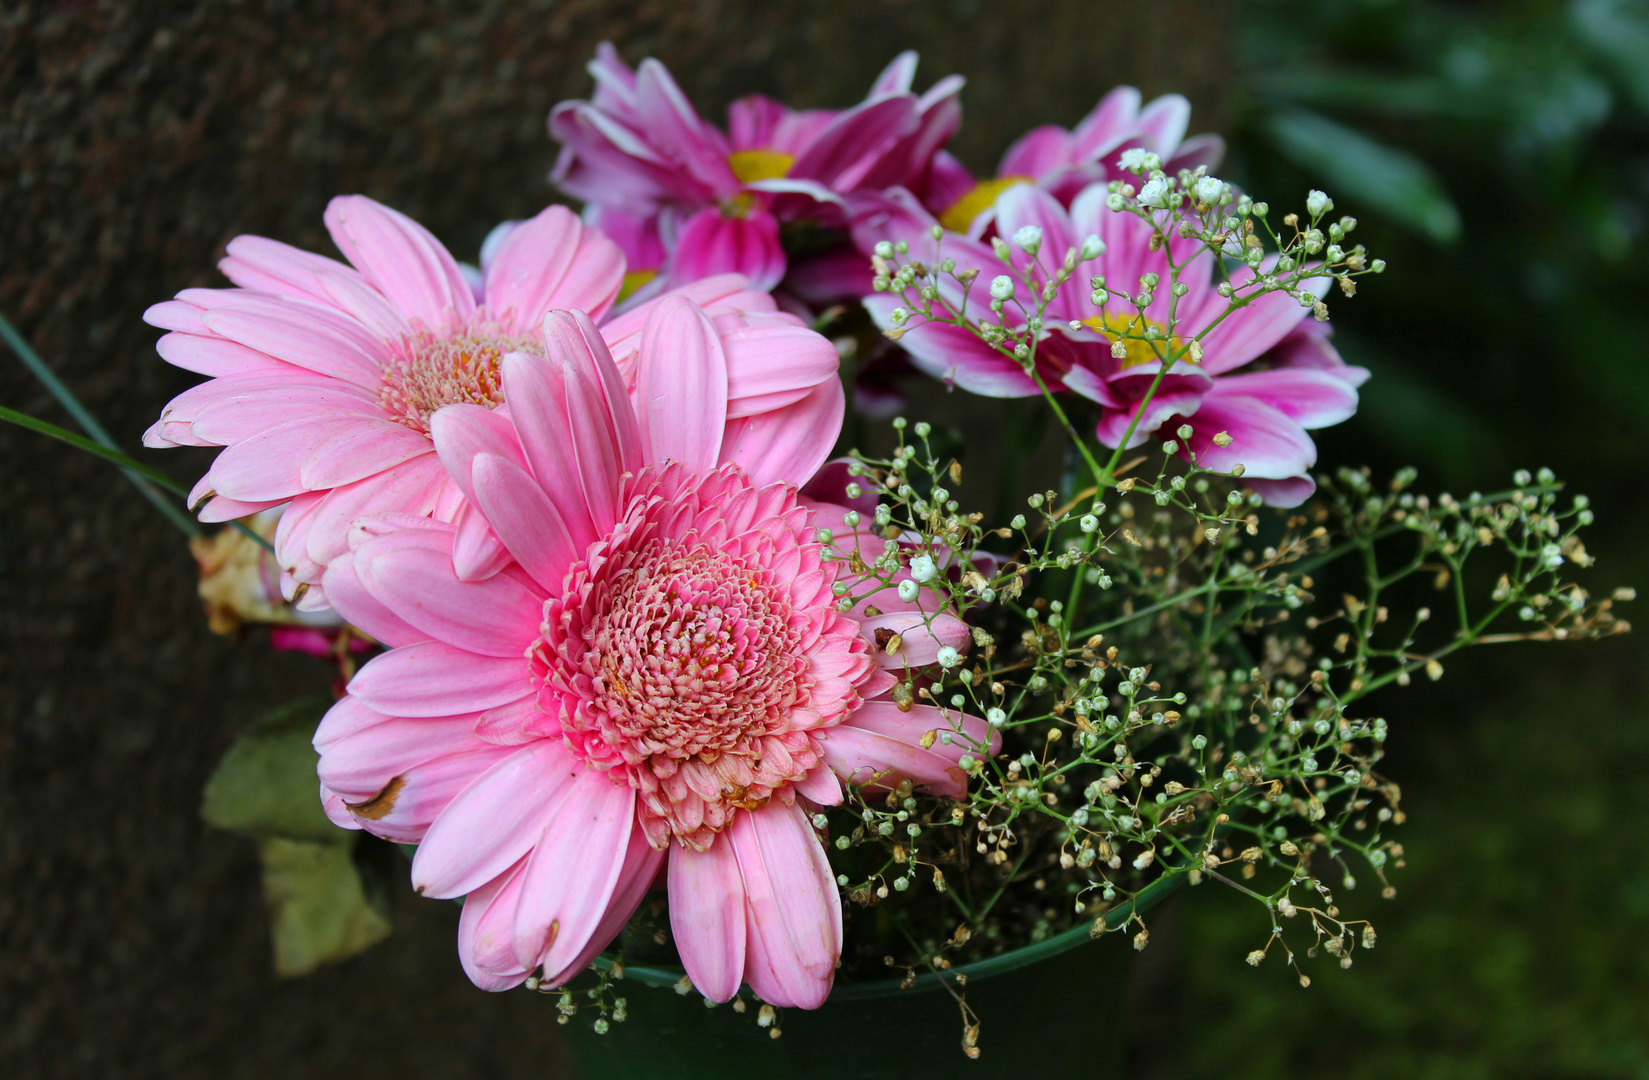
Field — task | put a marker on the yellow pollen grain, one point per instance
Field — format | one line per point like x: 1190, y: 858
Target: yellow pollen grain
x: 1139, y: 351
x: 958, y: 217
x: 749, y: 166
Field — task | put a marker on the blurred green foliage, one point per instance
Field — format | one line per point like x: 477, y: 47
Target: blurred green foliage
x: 1497, y: 154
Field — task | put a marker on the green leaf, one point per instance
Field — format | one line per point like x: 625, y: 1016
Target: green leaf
x: 266, y: 784
x: 319, y: 913
x: 1353, y: 166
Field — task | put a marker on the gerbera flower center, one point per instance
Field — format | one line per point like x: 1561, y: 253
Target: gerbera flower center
x: 959, y: 215
x: 683, y: 652
x: 1144, y: 341
x: 427, y: 370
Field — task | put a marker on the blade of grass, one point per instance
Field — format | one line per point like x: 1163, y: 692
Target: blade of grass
x: 143, y: 478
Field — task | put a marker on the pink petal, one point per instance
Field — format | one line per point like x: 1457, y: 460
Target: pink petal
x: 361, y: 766
x: 713, y: 243
x: 267, y: 465
x: 363, y: 610
x: 537, y: 392
x: 1163, y: 122
x: 864, y: 757
x: 461, y: 432
x: 486, y: 933
x: 255, y: 262
x: 525, y: 520
x: 208, y: 354
x: 794, y: 933
x: 346, y: 717
x: 553, y: 261
x: 821, y: 786
x: 707, y: 917
x: 770, y: 365
x: 411, y: 487
x: 1252, y: 329
x: 1284, y: 493
x: 1040, y: 150
x: 641, y: 867
x: 955, y: 355
x: 573, y: 336
x: 681, y: 387
x: 496, y: 617
x: 477, y: 553
x: 308, y: 336
x: 674, y: 126
x: 247, y: 405
x: 896, y: 77
x: 432, y: 678
x: 597, y: 411
x: 724, y: 292
x: 1111, y: 121
x: 494, y: 821
x: 921, y: 637
x: 1312, y: 399
x: 788, y: 445
x: 400, y: 257
x: 1264, y: 440
x: 852, y: 136
x: 367, y: 447
x: 573, y: 870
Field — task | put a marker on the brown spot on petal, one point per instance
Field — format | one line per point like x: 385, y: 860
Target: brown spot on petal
x: 380, y: 804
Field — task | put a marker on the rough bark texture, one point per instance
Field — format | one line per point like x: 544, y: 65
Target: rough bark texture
x: 138, y: 139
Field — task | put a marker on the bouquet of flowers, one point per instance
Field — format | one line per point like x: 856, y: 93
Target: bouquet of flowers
x: 667, y: 685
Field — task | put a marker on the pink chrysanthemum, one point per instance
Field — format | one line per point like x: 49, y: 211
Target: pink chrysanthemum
x: 701, y: 201
x: 325, y: 376
x: 659, y: 674
x: 1267, y: 413
x: 1063, y: 162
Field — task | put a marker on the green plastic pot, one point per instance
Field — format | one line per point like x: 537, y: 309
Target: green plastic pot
x: 1050, y: 1006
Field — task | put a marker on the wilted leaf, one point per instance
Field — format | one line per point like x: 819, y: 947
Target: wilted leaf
x: 1358, y: 170
x: 318, y: 911
x: 266, y: 784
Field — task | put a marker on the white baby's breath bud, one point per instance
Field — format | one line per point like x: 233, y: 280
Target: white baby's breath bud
x: 1092, y: 247
x: 1002, y: 287
x: 1155, y: 192
x: 1089, y: 523
x: 884, y: 250
x: 1116, y: 202
x: 1210, y: 190
x: 908, y: 590
x: 1028, y: 238
x: 922, y: 429
x: 1222, y: 439
x: 937, y: 232
x: 898, y: 316
x: 948, y: 657
x: 1318, y: 203
x: 995, y: 717
x: 1133, y: 159
x: 922, y: 568
x: 1145, y: 859
x: 1000, y: 246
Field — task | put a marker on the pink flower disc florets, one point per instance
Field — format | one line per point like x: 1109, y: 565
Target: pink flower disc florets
x: 694, y: 649
x: 426, y: 369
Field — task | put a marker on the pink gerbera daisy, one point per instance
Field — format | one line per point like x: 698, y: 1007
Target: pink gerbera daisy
x: 325, y: 376
x: 660, y: 676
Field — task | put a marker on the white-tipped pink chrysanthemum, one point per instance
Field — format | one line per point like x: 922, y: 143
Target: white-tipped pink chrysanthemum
x: 659, y: 675
x: 324, y: 377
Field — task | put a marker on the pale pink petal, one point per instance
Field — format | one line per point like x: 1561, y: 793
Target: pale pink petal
x: 256, y: 262
x: 477, y: 553
x: 795, y: 912
x: 486, y: 933
x: 1264, y: 440
x: 1163, y: 122
x: 525, y: 520
x: 573, y: 870
x: 641, y: 866
x: 367, y: 447
x: 681, y: 387
x: 552, y: 261
x: 345, y: 593
x: 956, y: 355
x: 346, y: 717
x: 401, y: 258
x: 306, y: 335
x: 770, y: 365
x: 821, y: 786
x: 1252, y: 329
x: 707, y: 917
x: 921, y: 637
x: 537, y: 392
x: 496, y: 617
x: 361, y: 765
x: 1284, y: 493
x: 412, y: 487
x: 864, y: 757
x: 461, y: 432
x: 572, y: 336
x: 788, y: 445
x: 432, y: 678
x: 494, y: 821
x: 208, y: 354
x: 267, y: 466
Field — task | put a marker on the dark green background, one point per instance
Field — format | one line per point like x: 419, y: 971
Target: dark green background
x: 138, y: 138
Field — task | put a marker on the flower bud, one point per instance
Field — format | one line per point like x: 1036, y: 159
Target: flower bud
x: 1002, y: 287
x: 1028, y: 238
x: 1318, y: 203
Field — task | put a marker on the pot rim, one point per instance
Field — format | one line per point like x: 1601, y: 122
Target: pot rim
x: 1012, y: 960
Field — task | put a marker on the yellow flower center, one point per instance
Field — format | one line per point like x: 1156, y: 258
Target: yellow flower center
x: 960, y: 214
x: 750, y: 166
x: 634, y: 280
x: 1131, y: 331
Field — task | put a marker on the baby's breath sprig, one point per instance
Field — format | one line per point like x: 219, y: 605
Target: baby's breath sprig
x: 1183, y: 709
